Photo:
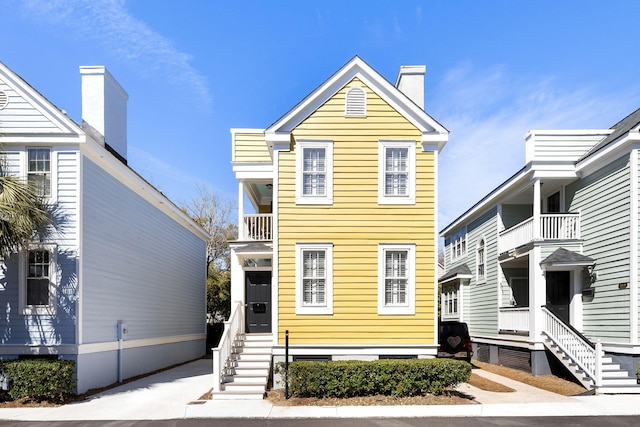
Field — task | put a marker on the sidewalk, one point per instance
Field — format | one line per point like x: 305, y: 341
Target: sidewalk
x: 174, y: 394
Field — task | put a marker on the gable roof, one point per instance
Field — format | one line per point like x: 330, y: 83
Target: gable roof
x: 625, y: 125
x: 51, y: 120
x: 432, y: 131
x: 562, y: 256
x: 461, y: 271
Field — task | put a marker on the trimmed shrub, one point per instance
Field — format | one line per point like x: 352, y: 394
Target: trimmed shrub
x: 398, y: 377
x: 40, y: 378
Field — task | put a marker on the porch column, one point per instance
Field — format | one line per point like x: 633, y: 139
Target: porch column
x: 537, y: 297
x: 536, y: 209
x: 241, y: 233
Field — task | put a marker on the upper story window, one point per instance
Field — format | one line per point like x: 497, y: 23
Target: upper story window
x: 396, y: 172
x: 355, y: 102
x: 37, y: 280
x: 396, y: 279
x: 458, y: 243
x: 480, y: 260
x: 39, y: 170
x: 314, y: 172
x: 314, y: 278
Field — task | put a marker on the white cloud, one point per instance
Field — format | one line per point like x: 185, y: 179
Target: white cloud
x: 488, y: 112
x: 124, y: 36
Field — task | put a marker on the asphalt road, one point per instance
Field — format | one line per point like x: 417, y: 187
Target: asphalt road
x: 617, y: 421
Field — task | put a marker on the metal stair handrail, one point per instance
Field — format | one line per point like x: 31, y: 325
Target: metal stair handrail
x: 585, y: 354
x: 222, y: 353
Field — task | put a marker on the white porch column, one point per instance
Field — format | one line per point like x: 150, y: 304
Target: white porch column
x: 241, y: 236
x: 237, y: 278
x: 537, y: 295
x: 536, y: 209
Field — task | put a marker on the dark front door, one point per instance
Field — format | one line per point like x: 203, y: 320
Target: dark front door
x: 558, y: 293
x: 258, y: 289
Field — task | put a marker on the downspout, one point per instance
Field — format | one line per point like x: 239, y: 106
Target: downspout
x: 633, y: 264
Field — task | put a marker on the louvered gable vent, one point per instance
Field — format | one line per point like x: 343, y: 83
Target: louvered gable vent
x: 4, y: 99
x: 356, y: 102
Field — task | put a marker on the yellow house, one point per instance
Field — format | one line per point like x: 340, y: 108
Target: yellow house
x: 339, y: 253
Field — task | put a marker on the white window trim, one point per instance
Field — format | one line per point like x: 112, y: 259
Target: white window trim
x: 314, y: 200
x: 327, y: 308
x: 482, y: 279
x: 410, y: 307
x: 410, y: 198
x: 463, y: 249
x: 53, y: 280
x: 450, y: 296
x: 53, y: 163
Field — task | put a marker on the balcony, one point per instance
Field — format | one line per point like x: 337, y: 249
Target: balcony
x: 513, y: 319
x: 552, y: 227
x: 257, y: 227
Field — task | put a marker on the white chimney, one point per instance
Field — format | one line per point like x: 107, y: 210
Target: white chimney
x: 104, y: 108
x: 410, y: 81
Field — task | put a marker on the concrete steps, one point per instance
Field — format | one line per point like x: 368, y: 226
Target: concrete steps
x: 247, y: 377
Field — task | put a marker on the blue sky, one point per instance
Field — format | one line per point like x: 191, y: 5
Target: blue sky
x: 195, y: 68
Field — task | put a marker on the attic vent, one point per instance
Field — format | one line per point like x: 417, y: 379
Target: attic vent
x: 356, y: 102
x: 4, y: 99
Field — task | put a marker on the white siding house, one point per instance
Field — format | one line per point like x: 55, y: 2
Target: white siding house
x: 546, y: 268
x: 121, y: 277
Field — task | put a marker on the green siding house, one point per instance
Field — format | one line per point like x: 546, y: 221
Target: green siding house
x: 545, y: 268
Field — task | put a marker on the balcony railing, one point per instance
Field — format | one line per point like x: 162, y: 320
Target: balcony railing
x: 513, y: 319
x: 257, y: 227
x: 552, y: 227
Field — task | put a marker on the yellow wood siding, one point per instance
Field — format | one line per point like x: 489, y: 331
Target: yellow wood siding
x: 356, y: 224
x: 250, y: 147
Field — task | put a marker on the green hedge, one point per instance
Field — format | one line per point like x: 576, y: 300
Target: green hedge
x: 391, y: 377
x: 40, y: 378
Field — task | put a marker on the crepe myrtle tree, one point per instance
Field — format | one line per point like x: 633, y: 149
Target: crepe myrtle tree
x: 214, y: 213
x: 24, y: 215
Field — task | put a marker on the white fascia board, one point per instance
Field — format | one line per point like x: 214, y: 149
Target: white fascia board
x: 456, y: 277
x: 39, y: 102
x: 517, y: 181
x: 608, y: 154
x: 383, y: 88
x: 434, y: 141
x: 44, y: 139
x: 567, y: 132
x: 257, y: 168
x: 140, y: 186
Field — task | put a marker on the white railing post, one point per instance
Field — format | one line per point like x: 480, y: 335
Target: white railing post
x: 222, y: 353
x: 598, y: 364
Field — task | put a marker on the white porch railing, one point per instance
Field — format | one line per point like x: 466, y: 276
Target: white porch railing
x: 222, y: 353
x: 257, y: 227
x: 513, y: 319
x: 552, y: 227
x: 584, y: 354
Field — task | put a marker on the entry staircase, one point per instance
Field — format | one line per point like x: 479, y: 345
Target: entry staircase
x: 585, y: 360
x: 241, y: 362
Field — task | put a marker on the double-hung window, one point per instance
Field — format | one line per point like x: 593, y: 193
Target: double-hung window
x: 39, y: 170
x: 396, y: 278
x: 396, y: 172
x: 38, y: 278
x: 314, y: 177
x: 314, y: 278
x: 480, y: 261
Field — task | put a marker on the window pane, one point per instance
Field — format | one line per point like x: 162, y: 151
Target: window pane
x: 314, y: 277
x: 396, y: 171
x: 39, y: 173
x: 396, y: 279
x: 38, y: 278
x: 314, y: 172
